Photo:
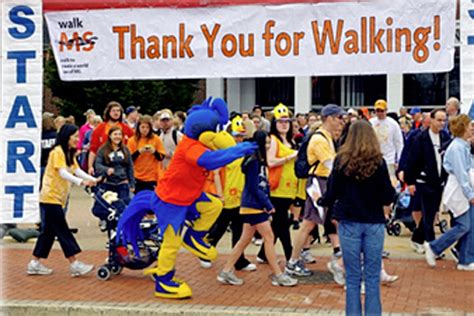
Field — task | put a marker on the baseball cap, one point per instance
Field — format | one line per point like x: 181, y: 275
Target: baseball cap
x: 131, y: 109
x: 88, y: 112
x: 165, y: 116
x: 415, y: 110
x: 352, y: 112
x: 332, y: 109
x: 381, y: 104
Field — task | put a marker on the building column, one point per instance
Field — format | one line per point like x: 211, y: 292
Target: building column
x: 233, y: 94
x: 394, y: 92
x: 303, y: 90
x: 215, y: 88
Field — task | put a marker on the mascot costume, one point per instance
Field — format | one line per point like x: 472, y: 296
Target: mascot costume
x: 179, y: 199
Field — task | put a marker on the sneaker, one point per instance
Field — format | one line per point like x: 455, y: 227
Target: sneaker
x: 283, y: 280
x: 261, y: 261
x: 386, y: 278
x: 250, y: 267
x: 466, y: 267
x: 257, y: 242
x: 337, y: 272
x: 385, y: 254
x: 229, y: 278
x: 418, y: 248
x: 205, y: 264
x: 307, y: 256
x: 79, y: 268
x: 429, y: 255
x: 297, y: 269
x: 455, y: 254
x: 37, y: 268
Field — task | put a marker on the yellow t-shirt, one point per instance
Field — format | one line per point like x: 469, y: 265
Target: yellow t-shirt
x: 233, y: 184
x: 288, y: 184
x: 320, y: 149
x: 301, y: 192
x: 56, y: 189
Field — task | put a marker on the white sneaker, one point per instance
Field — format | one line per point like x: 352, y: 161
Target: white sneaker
x: 250, y: 267
x: 257, y: 242
x: 261, y: 261
x: 79, y: 268
x: 417, y: 247
x: 37, y: 268
x: 205, y: 264
x: 430, y: 255
x: 307, y: 257
x: 386, y: 278
x: 466, y: 267
x: 337, y: 272
x: 229, y: 278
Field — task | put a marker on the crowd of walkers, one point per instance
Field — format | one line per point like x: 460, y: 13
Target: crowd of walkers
x: 359, y: 161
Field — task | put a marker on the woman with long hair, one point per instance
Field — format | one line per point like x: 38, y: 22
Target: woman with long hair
x: 114, y: 163
x: 360, y: 184
x: 283, y: 182
x: 62, y: 169
x: 147, y: 153
x: 255, y: 210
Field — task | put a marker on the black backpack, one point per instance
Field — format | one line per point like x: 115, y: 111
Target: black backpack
x: 302, y: 166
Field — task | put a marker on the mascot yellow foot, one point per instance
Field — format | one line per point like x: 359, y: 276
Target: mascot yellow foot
x: 166, y: 286
x: 194, y: 242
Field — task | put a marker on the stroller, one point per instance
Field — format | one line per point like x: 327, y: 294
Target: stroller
x: 108, y: 208
x: 401, y: 213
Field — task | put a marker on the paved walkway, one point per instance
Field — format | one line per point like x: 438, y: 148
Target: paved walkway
x: 420, y: 289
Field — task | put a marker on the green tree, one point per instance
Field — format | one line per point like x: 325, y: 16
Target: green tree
x: 74, y: 98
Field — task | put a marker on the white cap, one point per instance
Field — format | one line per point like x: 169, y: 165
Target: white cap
x: 165, y: 115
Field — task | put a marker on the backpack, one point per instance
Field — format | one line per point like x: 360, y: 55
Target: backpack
x: 302, y: 166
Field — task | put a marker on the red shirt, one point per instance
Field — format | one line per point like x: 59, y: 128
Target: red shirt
x: 183, y: 181
x: 99, y: 135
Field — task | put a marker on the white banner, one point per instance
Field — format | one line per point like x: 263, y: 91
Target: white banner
x: 467, y: 56
x: 20, y: 111
x: 253, y: 41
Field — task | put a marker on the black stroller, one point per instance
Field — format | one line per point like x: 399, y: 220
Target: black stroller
x: 108, y: 209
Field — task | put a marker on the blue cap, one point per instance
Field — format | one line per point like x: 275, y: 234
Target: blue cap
x: 415, y: 110
x: 332, y: 109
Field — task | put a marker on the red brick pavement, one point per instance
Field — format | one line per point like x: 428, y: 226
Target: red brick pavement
x: 419, y: 290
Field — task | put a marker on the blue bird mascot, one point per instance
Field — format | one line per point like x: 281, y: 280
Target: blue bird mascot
x: 179, y: 196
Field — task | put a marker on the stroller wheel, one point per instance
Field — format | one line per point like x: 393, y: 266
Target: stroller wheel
x: 389, y: 230
x: 443, y: 225
x: 397, y: 229
x: 103, y: 273
x: 116, y: 269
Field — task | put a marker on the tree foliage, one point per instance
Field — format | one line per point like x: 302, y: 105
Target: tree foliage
x: 74, y: 98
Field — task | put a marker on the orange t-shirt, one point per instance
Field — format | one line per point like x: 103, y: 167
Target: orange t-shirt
x: 184, y: 180
x: 146, y: 166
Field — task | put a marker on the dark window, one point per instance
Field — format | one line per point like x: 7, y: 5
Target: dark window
x: 271, y: 91
x: 326, y: 90
x: 364, y: 90
x: 430, y: 89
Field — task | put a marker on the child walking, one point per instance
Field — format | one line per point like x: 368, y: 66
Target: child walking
x: 255, y: 211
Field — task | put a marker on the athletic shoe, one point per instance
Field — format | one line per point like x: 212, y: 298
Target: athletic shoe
x: 297, y: 269
x: 337, y: 272
x: 417, y: 247
x: 283, y: 280
x: 205, y: 264
x: 79, y: 268
x: 466, y: 267
x: 307, y: 256
x: 249, y: 267
x: 454, y: 254
x: 261, y: 261
x: 386, y: 278
x: 430, y: 255
x: 229, y: 278
x: 37, y: 268
x: 257, y: 242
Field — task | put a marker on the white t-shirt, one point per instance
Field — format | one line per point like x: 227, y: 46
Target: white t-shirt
x: 390, y: 137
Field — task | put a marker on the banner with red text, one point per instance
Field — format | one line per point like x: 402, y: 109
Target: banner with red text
x: 405, y: 36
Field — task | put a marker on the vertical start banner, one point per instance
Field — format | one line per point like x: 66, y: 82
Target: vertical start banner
x: 20, y: 110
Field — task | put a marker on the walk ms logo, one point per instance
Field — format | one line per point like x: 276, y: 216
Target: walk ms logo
x: 80, y: 41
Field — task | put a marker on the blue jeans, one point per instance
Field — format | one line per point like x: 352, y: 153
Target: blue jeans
x: 466, y: 243
x: 459, y: 231
x: 367, y: 239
